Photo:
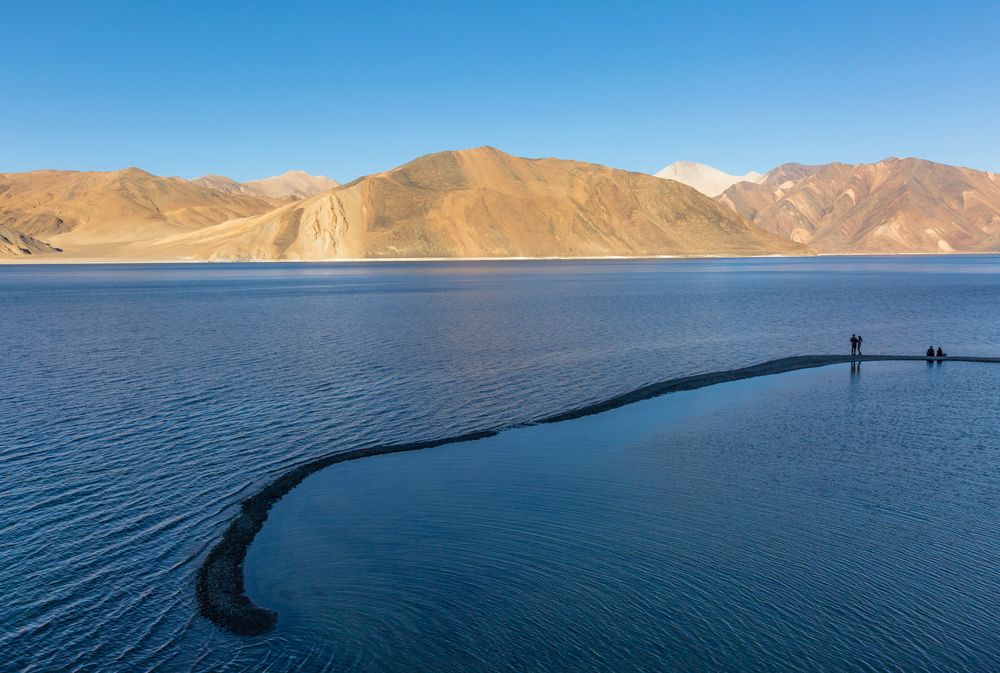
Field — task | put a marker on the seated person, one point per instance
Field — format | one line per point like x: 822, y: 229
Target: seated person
x: 930, y: 351
x: 940, y: 353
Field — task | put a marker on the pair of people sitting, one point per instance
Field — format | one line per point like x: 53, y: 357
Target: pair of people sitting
x: 940, y: 353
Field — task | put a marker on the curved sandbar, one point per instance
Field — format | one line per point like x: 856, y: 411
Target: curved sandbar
x: 221, y: 593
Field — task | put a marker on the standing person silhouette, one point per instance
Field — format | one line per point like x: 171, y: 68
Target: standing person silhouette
x: 860, y: 340
x: 854, y: 344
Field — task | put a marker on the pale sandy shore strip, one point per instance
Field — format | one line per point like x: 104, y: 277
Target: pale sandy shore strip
x: 54, y: 260
x: 220, y: 587
x: 50, y: 260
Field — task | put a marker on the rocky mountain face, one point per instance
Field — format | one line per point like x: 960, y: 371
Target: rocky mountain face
x: 14, y: 243
x: 893, y: 206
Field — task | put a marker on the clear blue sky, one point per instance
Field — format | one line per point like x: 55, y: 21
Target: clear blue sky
x: 251, y: 89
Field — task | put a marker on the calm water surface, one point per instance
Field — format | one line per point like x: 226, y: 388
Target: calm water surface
x: 141, y: 403
x: 818, y: 520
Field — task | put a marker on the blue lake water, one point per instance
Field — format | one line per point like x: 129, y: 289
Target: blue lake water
x: 142, y: 403
x: 816, y: 520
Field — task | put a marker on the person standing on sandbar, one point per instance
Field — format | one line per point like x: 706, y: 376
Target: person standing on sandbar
x: 860, y: 340
x: 854, y: 344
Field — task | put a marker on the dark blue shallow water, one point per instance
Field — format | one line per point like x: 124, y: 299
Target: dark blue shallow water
x: 141, y: 403
x: 818, y: 520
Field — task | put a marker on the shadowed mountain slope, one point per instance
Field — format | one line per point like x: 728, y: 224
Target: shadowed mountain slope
x: 14, y: 243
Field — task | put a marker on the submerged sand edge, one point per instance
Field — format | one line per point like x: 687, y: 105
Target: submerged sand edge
x: 220, y: 589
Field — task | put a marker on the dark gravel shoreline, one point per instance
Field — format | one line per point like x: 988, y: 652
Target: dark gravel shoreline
x: 220, y: 588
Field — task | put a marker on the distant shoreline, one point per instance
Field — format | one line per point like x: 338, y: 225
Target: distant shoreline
x: 52, y: 260
x: 220, y: 587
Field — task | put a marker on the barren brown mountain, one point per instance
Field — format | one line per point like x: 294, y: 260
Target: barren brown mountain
x: 893, y: 206
x: 485, y: 203
x: 292, y: 184
x: 95, y: 213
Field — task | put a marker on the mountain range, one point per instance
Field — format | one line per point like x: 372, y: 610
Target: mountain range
x: 292, y: 184
x: 485, y: 203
